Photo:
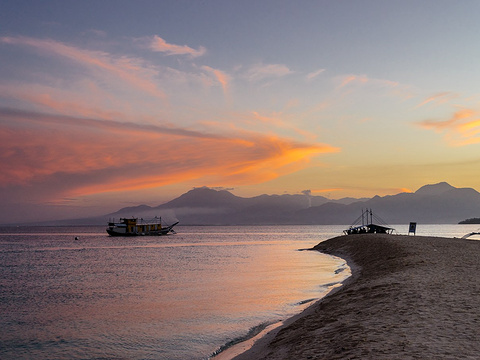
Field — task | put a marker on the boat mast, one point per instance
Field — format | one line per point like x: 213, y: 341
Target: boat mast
x: 365, y: 218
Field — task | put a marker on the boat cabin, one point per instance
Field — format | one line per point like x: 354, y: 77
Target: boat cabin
x: 133, y: 227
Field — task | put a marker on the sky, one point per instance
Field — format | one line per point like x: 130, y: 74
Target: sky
x: 107, y: 104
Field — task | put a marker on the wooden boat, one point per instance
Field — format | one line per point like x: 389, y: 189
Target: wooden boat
x: 367, y: 226
x: 139, y: 227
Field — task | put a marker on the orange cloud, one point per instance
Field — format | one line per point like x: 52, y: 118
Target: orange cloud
x: 326, y: 190
x: 160, y: 45
x: 73, y: 156
x: 463, y: 128
x: 470, y: 129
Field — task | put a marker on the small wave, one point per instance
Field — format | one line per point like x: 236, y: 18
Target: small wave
x: 252, y: 332
x: 305, y: 301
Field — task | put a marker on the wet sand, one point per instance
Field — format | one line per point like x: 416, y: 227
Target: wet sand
x: 409, y: 297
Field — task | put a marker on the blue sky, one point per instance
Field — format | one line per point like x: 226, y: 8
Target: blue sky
x: 105, y: 104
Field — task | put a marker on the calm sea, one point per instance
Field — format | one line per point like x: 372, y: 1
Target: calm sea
x: 182, y: 296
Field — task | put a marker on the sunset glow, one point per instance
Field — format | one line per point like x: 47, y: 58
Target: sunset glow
x: 269, y: 97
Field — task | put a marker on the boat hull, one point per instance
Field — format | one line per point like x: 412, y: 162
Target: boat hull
x: 148, y: 233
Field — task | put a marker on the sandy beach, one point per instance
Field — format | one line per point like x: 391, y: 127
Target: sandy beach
x: 409, y: 297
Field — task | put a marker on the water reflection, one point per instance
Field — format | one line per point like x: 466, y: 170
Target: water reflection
x: 172, y: 297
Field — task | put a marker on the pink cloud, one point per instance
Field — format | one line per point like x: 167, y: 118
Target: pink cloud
x: 160, y: 45
x: 130, y: 70
x: 220, y: 76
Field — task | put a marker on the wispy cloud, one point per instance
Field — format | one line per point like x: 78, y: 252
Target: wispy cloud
x: 314, y: 74
x: 370, y: 87
x: 276, y: 120
x: 220, y: 76
x: 260, y: 72
x: 160, y: 45
x: 351, y: 79
x: 439, y: 98
x: 348, y: 79
x: 131, y: 70
x: 273, y: 119
x: 463, y: 128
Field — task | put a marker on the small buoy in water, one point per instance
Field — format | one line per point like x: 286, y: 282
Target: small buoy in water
x: 76, y: 237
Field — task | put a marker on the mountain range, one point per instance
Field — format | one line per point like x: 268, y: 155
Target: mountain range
x: 431, y: 204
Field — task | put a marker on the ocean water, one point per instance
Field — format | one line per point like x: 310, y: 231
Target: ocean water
x: 176, y: 297
x: 183, y: 296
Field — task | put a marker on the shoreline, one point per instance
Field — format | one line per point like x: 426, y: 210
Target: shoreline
x: 269, y: 331
x: 266, y: 334
x: 407, y: 297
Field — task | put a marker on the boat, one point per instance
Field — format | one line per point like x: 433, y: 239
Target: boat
x: 367, y: 226
x: 139, y: 227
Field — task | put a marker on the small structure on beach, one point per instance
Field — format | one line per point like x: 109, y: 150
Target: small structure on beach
x: 364, y: 225
x: 412, y: 228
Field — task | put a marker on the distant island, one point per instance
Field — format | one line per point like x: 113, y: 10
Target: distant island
x: 470, y: 221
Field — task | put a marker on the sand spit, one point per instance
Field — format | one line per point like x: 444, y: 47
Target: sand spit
x: 410, y: 297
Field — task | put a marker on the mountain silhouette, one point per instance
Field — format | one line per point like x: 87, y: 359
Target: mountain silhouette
x: 434, y: 190
x: 431, y: 204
